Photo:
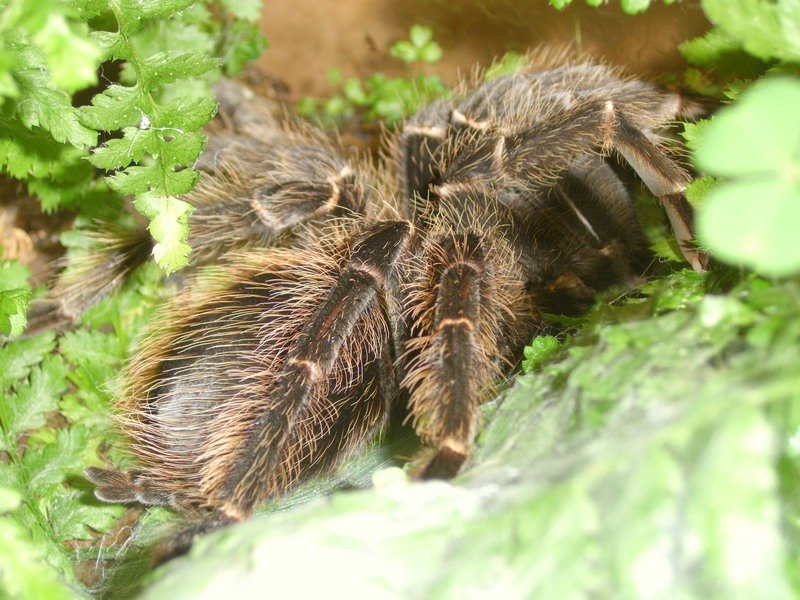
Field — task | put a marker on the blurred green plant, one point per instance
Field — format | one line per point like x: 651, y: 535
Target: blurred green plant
x: 14, y: 298
x: 631, y: 7
x: 511, y: 62
x: 54, y: 398
x: 751, y: 217
x: 749, y: 151
x: 390, y: 99
x: 419, y: 47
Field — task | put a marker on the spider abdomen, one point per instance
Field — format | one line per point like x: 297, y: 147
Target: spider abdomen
x: 251, y: 367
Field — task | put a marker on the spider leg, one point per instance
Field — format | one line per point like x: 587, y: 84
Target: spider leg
x: 310, y: 359
x: 582, y: 237
x: 536, y: 158
x: 417, y: 148
x: 261, y: 193
x: 80, y: 286
x: 461, y: 333
x: 126, y: 487
x: 665, y: 179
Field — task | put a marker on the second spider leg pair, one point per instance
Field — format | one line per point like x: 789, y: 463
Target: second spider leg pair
x: 526, y: 131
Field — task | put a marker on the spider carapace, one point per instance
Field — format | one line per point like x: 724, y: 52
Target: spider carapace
x: 343, y: 286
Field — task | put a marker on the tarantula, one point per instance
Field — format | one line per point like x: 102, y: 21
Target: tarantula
x: 415, y: 280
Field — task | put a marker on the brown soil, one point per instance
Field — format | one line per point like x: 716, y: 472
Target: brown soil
x: 308, y: 37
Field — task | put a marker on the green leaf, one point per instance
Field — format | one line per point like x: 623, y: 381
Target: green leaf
x: 719, y: 51
x: 249, y: 10
x: 766, y: 29
x: 420, y: 35
x: 753, y: 223
x: 244, y: 43
x: 23, y: 572
x: 26, y: 409
x: 14, y: 275
x: 13, y: 311
x: 750, y: 219
x: 91, y: 347
x: 699, y: 189
x: 169, y: 218
x: 41, y: 104
x: 55, y: 172
x: 156, y: 179
x: 167, y: 67
x: 186, y: 115
x: 177, y: 147
x: 17, y: 358
x: 114, y: 109
x: 538, y: 351
x: 759, y: 134
x: 171, y: 148
x: 421, y: 46
x: 50, y: 464
x: 120, y: 152
x: 72, y: 518
x: 71, y: 58
x: 354, y: 91
x: 512, y: 62
x: 404, y: 50
x: 693, y: 132
x: 133, y: 14
x: 431, y: 53
x: 634, y: 6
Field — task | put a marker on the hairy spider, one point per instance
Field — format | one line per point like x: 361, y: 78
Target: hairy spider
x: 416, y: 280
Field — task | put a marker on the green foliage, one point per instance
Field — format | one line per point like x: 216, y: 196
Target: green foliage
x: 659, y: 412
x: 50, y: 30
x: 54, y: 414
x: 751, y: 218
x: 45, y: 56
x: 40, y: 457
x: 54, y: 393
x: 752, y: 148
x: 510, y: 63
x: 539, y: 350
x: 14, y: 296
x: 419, y: 47
x: 716, y: 49
x: 23, y: 573
x: 170, y: 52
x: 629, y: 6
x: 160, y: 139
x: 380, y: 97
x: 767, y: 30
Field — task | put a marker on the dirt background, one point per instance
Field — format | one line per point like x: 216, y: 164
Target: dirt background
x: 308, y: 37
